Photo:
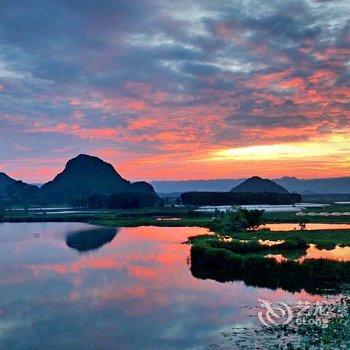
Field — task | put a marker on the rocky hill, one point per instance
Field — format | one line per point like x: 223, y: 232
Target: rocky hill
x: 85, y: 176
x: 257, y: 184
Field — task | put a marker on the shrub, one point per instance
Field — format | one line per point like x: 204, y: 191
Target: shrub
x: 252, y: 218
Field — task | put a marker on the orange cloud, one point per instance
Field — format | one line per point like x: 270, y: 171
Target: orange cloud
x: 75, y: 130
x: 142, y: 123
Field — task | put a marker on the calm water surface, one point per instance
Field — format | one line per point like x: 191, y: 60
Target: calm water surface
x: 75, y: 286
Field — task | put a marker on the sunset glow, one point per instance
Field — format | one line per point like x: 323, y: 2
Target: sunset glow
x: 331, y: 147
x: 176, y: 90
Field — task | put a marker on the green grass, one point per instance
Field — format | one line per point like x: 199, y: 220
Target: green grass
x: 119, y: 218
x: 250, y: 247
x: 134, y: 222
x: 291, y: 217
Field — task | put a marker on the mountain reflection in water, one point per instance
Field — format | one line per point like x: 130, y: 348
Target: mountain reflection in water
x: 87, y: 240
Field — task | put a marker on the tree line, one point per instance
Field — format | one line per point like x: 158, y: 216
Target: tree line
x: 238, y: 198
x: 116, y: 201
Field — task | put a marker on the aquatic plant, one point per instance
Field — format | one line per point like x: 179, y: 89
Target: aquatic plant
x: 222, y: 264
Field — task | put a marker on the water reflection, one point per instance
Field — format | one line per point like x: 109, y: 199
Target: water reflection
x: 87, y: 240
x: 313, y: 252
x: 338, y: 253
x: 136, y: 292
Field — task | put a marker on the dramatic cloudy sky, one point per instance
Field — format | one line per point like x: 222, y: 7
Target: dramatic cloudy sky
x: 179, y: 89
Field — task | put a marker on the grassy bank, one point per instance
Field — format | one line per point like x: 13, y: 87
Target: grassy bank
x: 316, y: 276
x: 237, y: 254
x: 171, y: 217
x: 180, y: 217
x: 292, y: 217
x: 150, y: 216
x: 322, y: 238
x: 142, y: 221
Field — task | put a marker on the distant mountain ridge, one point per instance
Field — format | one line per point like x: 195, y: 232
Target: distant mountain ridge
x: 257, y: 184
x: 16, y: 191
x: 87, y: 169
x: 5, y: 181
x: 322, y: 186
x: 20, y: 192
x: 339, y: 185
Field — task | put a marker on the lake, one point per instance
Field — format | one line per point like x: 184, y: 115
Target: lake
x: 78, y: 286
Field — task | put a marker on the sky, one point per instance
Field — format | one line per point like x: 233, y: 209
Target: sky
x: 186, y: 89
